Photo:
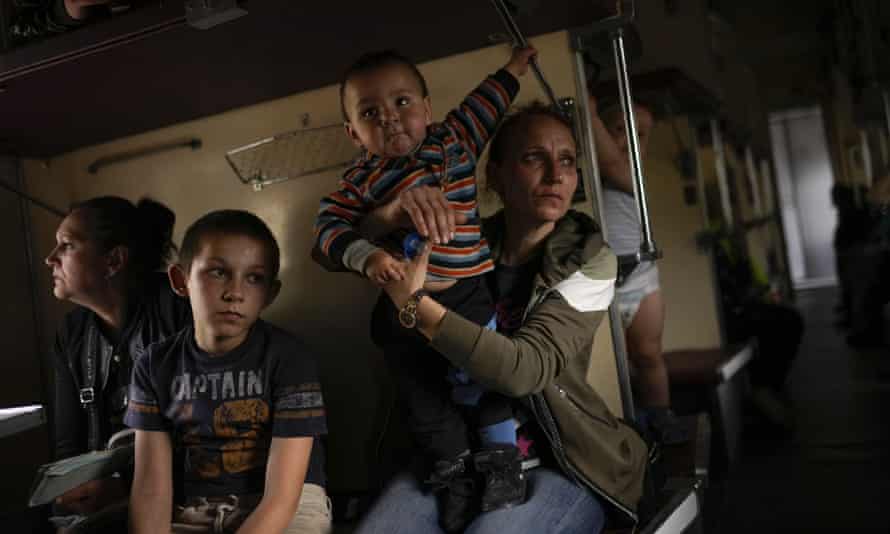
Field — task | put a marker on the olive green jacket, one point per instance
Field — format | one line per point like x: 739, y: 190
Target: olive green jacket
x: 546, y: 361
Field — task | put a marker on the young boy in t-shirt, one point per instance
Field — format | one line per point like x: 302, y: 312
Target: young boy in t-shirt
x: 227, y: 411
x: 387, y: 113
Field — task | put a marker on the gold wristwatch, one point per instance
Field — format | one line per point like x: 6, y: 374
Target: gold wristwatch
x: 408, y: 313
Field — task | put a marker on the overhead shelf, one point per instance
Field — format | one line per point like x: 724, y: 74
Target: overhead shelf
x: 148, y: 69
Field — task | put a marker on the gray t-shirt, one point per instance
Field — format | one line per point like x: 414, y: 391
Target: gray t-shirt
x: 223, y: 411
x: 622, y: 221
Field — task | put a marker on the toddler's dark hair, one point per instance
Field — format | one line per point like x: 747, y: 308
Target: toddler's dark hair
x: 375, y: 60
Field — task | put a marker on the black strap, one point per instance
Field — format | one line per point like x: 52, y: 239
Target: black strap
x: 96, y: 363
x: 88, y: 387
x: 626, y: 265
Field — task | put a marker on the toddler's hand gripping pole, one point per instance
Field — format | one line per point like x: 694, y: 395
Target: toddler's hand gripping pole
x: 520, y: 41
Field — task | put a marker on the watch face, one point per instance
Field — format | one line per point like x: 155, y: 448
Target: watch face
x: 408, y: 317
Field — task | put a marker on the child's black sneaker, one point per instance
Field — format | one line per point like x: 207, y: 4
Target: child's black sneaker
x: 505, y: 483
x: 458, y: 493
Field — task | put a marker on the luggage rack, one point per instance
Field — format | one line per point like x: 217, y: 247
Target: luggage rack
x: 293, y: 154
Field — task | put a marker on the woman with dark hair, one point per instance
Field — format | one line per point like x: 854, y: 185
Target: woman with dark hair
x: 553, y: 281
x: 107, y: 261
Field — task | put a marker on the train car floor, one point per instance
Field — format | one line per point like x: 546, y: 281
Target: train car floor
x: 831, y: 473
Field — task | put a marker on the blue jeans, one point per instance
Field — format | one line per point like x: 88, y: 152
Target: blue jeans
x: 555, y: 505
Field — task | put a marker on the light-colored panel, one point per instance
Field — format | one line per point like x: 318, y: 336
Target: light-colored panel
x: 687, y: 282
x: 330, y: 312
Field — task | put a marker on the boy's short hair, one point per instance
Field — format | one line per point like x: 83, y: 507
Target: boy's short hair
x: 228, y: 222
x: 374, y: 60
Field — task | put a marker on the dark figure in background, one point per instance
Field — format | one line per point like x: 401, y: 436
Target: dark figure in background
x: 106, y: 260
x: 865, y: 266
x: 753, y: 310
x: 850, y: 233
x: 33, y: 20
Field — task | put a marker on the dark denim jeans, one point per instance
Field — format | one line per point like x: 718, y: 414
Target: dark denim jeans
x: 555, y: 505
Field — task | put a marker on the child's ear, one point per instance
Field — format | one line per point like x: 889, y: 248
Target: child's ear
x: 350, y: 131
x: 274, y: 289
x: 428, y: 108
x: 177, y: 277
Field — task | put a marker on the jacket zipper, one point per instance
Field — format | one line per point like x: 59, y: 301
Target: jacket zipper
x: 565, y: 394
x: 545, y: 419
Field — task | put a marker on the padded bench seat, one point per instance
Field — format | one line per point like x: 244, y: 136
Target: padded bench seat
x: 713, y: 380
x: 706, y: 366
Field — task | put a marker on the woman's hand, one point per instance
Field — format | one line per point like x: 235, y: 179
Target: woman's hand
x: 423, y: 208
x: 427, y: 210
x: 414, y: 276
x: 430, y: 313
x: 93, y: 496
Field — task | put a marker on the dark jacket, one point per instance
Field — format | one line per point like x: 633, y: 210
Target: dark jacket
x: 546, y: 361
x: 156, y: 314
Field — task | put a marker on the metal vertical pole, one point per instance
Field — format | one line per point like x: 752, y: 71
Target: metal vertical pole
x: 700, y: 177
x: 587, y: 143
x: 722, y: 178
x: 520, y: 41
x: 647, y: 247
x: 866, y: 158
x: 751, y: 169
x: 769, y: 203
x: 886, y: 97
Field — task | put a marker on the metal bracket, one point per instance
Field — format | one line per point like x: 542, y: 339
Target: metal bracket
x: 642, y: 255
x: 582, y: 40
x: 585, y: 38
x: 520, y: 41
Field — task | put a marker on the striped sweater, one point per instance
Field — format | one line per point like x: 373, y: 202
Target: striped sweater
x: 447, y: 158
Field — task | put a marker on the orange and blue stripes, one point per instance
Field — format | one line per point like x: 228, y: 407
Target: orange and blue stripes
x: 446, y: 158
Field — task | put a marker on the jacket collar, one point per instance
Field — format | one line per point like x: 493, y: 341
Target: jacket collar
x: 575, y: 239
